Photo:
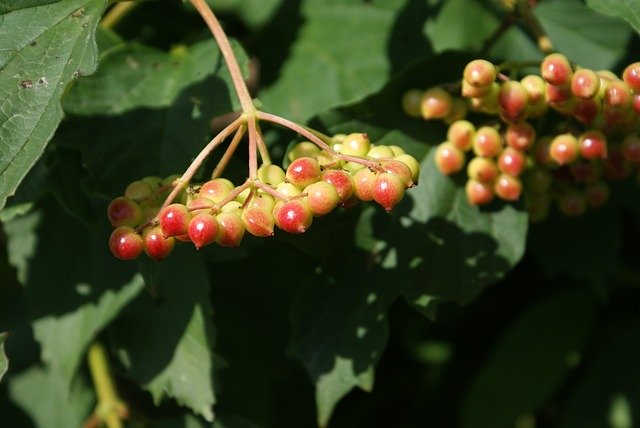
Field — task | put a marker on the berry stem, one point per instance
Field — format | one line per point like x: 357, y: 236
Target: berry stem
x: 117, y: 12
x: 531, y: 21
x: 270, y: 190
x: 222, y: 164
x: 253, y: 152
x: 232, y: 195
x: 262, y: 147
x: 229, y: 57
x: 109, y: 404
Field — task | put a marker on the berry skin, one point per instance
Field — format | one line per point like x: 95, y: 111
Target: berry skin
x: 356, y: 144
x: 449, y: 159
x: 174, y: 220
x: 593, y: 145
x: 586, y: 110
x: 203, y: 229
x: 520, y: 136
x: 564, y: 149
x: 273, y: 174
x: 478, y: 193
x: 288, y: 190
x: 413, y: 165
x: 557, y: 95
x: 535, y: 87
x: 138, y: 190
x: 631, y: 148
x: 231, y: 229
x: 513, y: 99
x: 322, y: 197
x: 479, y: 73
x: 342, y: 182
x: 125, y: 243
x: 400, y: 169
x: 258, y: 221
x: 631, y: 76
x: 303, y: 171
x: 293, y: 216
x: 411, y: 102
x: 216, y: 189
x: 380, y: 152
x: 303, y: 149
x: 470, y: 91
x: 460, y: 133
x: 124, y: 211
x: 481, y: 169
x: 156, y: 245
x: 512, y: 161
x: 363, y: 184
x: 200, y: 203
x: 387, y: 190
x: 507, y: 187
x: 487, y: 142
x: 263, y: 200
x: 435, y: 103
x: 585, y: 83
x: 556, y: 69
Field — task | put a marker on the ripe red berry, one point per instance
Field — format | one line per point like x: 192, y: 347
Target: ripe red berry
x: 231, y: 229
x: 322, y: 197
x: 435, y: 103
x: 411, y: 102
x: 482, y: 169
x: 258, y: 221
x: 293, y: 216
x: 388, y: 190
x: 564, y: 149
x: 203, y: 229
x: 507, y: 187
x: 363, y: 184
x: 479, y: 73
x: 125, y: 243
x: 156, y: 245
x: 174, y: 220
x: 303, y: 171
x: 556, y: 69
x: 585, y: 83
x: 557, y: 95
x: 487, y: 142
x: 460, y: 133
x: 593, y: 144
x: 478, y: 193
x: 513, y: 99
x: 617, y: 96
x: 400, y: 169
x: 341, y: 180
x: 512, y: 161
x: 124, y: 211
x: 586, y: 110
x: 520, y: 136
x: 631, y: 76
x: 449, y: 159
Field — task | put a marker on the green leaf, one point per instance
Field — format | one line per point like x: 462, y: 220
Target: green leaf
x: 255, y: 13
x: 341, y: 53
x: 528, y: 364
x: 44, y: 395
x: 72, y: 292
x: 4, y: 361
x: 55, y: 45
x: 629, y: 10
x: 165, y: 341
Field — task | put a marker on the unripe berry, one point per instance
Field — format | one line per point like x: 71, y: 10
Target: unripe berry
x: 363, y: 184
x: 216, y: 189
x: 271, y: 174
x: 507, y: 187
x: 482, y: 169
x: 288, y: 190
x: 322, y: 197
x: 233, y: 207
x: 293, y: 216
x: 535, y: 87
x: 449, y: 159
x: 152, y: 180
x: 200, y: 203
x: 342, y: 182
x: 631, y: 76
x: 593, y: 144
x: 520, y: 136
x: 400, y: 169
x: 460, y: 133
x: 156, y: 245
x: 478, y: 193
x: 585, y: 83
x: 617, y: 96
x: 258, y: 221
x: 564, y: 149
x: 138, y: 190
x: 458, y: 111
x: 556, y: 69
x: 123, y: 211
x: 380, y: 152
x: 174, y: 220
x: 435, y: 103
x: 488, y: 103
x: 388, y: 190
x: 541, y: 151
x: 263, y: 200
x: 356, y: 144
x: 303, y: 171
x: 411, y: 102
x: 397, y: 150
x: 631, y: 148
x: 487, y: 142
x: 470, y: 91
x: 413, y: 165
x: 203, y: 229
x: 125, y: 243
x: 572, y: 203
x: 303, y: 149
x: 231, y: 229
x: 513, y: 99
x: 479, y: 73
x: 512, y: 161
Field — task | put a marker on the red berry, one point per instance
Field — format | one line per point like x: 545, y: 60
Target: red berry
x: 388, y: 190
x: 585, y: 83
x: 631, y: 148
x: 449, y: 159
x: 631, y: 76
x: 231, y: 229
x: 617, y: 96
x: 487, y: 142
x: 400, y: 169
x: 174, y: 220
x: 460, y: 133
x: 435, y: 103
x: 586, y: 110
x: 507, y: 187
x: 125, y: 243
x: 216, y: 190
x: 593, y: 145
x: 556, y: 95
x: 303, y: 171
x: 478, y: 193
x: 513, y: 99
x: 323, y: 197
x: 512, y: 161
x: 556, y: 69
x: 520, y: 136
x: 341, y: 180
x: 564, y: 149
x: 293, y: 216
x: 363, y: 184
x: 258, y: 221
x: 156, y: 245
x: 482, y: 169
x: 479, y: 73
x: 203, y: 229
x: 124, y: 211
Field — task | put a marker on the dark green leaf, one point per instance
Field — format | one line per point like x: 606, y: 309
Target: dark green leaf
x: 530, y: 361
x: 55, y: 45
x: 165, y: 341
x: 629, y: 10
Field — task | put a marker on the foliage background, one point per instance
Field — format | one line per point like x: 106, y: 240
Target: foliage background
x: 289, y: 331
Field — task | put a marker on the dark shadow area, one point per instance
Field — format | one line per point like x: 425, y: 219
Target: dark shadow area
x: 407, y: 41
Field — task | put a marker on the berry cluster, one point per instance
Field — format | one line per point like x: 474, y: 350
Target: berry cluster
x: 315, y: 183
x: 556, y: 136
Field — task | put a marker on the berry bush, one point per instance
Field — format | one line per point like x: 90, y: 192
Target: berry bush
x: 334, y: 213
